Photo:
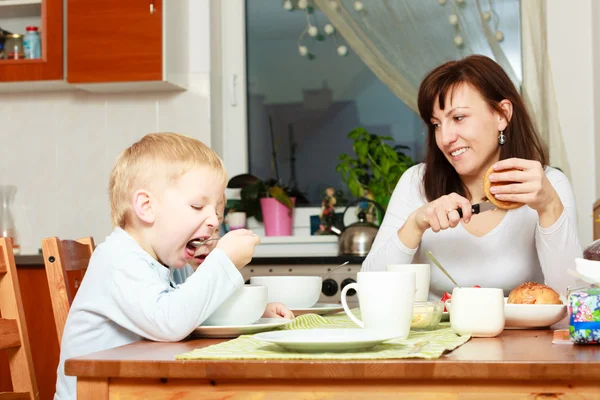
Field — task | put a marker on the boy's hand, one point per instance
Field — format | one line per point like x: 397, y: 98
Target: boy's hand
x: 239, y: 246
x: 277, y: 310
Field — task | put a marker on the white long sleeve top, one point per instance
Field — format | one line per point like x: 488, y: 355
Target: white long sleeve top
x: 516, y: 251
x: 127, y: 295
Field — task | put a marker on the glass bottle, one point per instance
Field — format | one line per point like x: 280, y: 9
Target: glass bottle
x: 13, y: 47
x: 7, y: 222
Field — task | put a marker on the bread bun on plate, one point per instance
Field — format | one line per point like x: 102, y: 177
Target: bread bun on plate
x: 533, y: 293
x: 487, y: 185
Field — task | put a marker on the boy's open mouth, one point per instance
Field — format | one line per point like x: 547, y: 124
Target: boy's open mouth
x: 191, y: 249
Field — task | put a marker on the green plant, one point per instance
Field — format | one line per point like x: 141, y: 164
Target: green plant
x: 254, y: 189
x: 377, y: 166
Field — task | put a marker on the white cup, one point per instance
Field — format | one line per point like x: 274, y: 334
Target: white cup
x: 423, y: 276
x: 386, y: 301
x: 236, y: 220
x: 478, y: 312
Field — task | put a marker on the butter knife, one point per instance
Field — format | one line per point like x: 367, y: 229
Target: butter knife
x: 478, y: 208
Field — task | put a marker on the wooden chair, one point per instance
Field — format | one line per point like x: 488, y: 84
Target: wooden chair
x: 66, y: 262
x: 13, y: 329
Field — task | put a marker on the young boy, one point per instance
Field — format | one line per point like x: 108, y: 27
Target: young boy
x: 179, y: 275
x: 164, y: 191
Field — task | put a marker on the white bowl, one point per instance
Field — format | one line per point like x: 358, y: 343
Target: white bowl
x: 292, y: 291
x: 245, y: 306
x: 589, y: 268
x: 533, y: 315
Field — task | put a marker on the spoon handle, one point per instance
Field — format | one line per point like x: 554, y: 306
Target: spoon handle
x: 436, y: 262
x: 339, y: 266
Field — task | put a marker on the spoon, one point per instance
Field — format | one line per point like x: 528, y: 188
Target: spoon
x: 339, y: 266
x: 199, y: 243
x: 436, y: 262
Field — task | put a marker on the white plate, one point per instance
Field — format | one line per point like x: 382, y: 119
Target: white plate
x: 527, y: 316
x: 324, y: 340
x: 262, y: 325
x: 319, y: 308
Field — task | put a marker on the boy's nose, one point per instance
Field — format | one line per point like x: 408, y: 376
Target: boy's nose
x: 212, y: 221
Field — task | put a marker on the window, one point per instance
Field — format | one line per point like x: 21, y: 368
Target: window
x: 297, y: 111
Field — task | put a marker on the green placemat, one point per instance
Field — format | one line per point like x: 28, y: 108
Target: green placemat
x: 419, y: 344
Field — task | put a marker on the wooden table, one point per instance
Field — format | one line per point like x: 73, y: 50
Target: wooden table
x: 519, y: 364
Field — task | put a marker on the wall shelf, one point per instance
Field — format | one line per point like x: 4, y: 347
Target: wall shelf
x: 20, y: 8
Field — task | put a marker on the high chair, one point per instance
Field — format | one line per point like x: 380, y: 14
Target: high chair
x: 13, y: 329
x: 66, y: 262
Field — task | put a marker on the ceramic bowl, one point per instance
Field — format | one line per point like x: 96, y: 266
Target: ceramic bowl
x: 292, y: 291
x: 245, y: 306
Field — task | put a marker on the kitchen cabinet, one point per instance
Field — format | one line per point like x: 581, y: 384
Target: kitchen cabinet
x: 115, y: 45
x: 15, y: 15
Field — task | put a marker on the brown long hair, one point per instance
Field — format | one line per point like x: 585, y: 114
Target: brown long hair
x: 494, y: 85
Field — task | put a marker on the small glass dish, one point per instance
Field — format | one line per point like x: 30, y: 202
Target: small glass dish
x: 426, y: 315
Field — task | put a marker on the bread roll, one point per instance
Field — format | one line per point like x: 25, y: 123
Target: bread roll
x: 533, y: 293
x: 487, y: 185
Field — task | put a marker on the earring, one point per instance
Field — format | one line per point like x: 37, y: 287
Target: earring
x: 501, y: 138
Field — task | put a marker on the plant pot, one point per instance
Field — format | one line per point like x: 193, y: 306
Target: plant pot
x: 278, y: 219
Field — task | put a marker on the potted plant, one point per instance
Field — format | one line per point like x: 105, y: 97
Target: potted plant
x: 376, y: 167
x: 267, y: 201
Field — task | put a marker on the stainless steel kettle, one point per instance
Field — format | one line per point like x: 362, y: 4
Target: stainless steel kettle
x: 357, y: 238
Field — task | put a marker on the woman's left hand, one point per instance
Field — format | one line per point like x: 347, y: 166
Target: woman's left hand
x: 277, y: 310
x: 528, y: 185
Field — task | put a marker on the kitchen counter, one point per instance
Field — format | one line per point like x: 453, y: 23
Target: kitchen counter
x: 37, y: 260
x: 521, y: 364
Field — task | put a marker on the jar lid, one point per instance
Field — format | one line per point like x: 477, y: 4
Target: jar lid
x: 31, y: 28
x: 14, y: 35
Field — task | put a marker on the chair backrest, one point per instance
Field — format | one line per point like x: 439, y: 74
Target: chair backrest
x: 66, y: 262
x: 13, y: 328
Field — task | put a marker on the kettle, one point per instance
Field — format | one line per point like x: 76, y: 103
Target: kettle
x: 357, y: 238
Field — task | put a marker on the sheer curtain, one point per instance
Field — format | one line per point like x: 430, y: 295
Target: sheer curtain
x: 538, y: 84
x: 401, y: 40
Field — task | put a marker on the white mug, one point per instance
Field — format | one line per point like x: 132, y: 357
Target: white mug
x: 386, y: 301
x: 423, y: 276
x: 478, y: 312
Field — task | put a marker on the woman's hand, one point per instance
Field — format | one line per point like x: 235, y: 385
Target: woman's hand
x: 442, y: 213
x: 528, y: 185
x: 277, y: 310
x: 438, y: 215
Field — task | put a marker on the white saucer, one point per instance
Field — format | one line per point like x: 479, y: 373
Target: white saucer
x: 262, y: 325
x: 319, y: 308
x: 324, y: 340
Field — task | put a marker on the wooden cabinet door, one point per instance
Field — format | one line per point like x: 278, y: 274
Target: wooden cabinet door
x: 114, y: 41
x: 50, y: 66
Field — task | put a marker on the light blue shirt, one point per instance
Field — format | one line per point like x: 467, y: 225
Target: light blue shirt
x: 127, y: 295
x: 180, y: 275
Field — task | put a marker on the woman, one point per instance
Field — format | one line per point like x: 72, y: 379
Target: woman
x: 476, y: 119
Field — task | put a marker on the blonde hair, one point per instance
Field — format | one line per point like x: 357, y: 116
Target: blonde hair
x: 154, y: 159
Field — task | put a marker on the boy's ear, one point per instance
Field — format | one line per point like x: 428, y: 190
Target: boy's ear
x: 142, y: 205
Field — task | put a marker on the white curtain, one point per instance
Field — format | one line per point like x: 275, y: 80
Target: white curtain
x: 538, y: 84
x: 401, y: 40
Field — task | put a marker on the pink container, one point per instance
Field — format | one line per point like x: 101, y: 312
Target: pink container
x: 278, y: 219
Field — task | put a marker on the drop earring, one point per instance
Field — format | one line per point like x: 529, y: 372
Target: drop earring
x: 501, y: 138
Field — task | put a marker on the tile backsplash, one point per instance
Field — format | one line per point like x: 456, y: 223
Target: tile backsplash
x: 58, y: 149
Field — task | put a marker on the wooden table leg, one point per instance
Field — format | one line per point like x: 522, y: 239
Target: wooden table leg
x: 92, y: 388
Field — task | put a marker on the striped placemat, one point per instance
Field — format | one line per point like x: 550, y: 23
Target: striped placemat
x: 419, y: 344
